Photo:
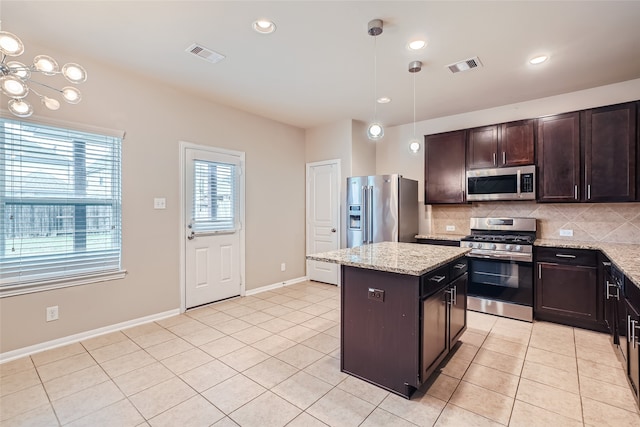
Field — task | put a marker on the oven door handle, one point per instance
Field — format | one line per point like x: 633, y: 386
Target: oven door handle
x: 525, y: 257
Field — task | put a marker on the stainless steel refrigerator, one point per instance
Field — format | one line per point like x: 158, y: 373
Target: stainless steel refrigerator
x: 381, y: 208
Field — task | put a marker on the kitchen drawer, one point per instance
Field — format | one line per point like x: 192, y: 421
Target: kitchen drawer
x: 434, y: 280
x: 457, y: 268
x: 584, y: 257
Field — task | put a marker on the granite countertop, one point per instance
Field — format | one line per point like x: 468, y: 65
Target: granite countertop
x: 452, y: 237
x: 405, y: 258
x: 625, y: 256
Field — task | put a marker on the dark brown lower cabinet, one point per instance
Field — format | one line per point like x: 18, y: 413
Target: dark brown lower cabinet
x: 396, y: 329
x: 632, y: 324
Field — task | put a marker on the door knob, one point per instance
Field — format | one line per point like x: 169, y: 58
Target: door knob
x: 333, y: 230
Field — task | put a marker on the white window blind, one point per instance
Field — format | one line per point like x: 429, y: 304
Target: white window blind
x: 215, y: 198
x: 60, y: 206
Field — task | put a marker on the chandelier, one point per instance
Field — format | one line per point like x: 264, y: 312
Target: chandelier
x: 16, y: 78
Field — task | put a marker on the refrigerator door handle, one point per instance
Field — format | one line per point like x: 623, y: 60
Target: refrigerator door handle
x: 370, y: 214
x: 365, y: 231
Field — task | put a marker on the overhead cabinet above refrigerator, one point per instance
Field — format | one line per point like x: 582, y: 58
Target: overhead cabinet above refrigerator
x: 381, y: 208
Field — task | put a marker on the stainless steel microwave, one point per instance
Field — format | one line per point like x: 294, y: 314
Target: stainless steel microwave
x: 516, y: 183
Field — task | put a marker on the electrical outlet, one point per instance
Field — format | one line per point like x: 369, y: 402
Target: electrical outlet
x: 566, y: 233
x: 375, y: 294
x: 451, y: 228
x: 159, y: 203
x: 283, y: 267
x: 52, y: 313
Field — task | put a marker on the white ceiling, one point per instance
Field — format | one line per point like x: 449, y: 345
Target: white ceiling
x: 317, y: 67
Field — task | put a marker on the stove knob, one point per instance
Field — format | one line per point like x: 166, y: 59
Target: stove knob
x: 518, y: 248
x: 508, y: 247
x: 479, y: 245
x: 492, y: 246
x: 469, y: 244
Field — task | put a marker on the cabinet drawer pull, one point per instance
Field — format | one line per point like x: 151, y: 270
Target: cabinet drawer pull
x: 575, y: 192
x: 459, y: 266
x: 495, y: 159
x: 589, y: 192
x: 504, y: 158
x: 565, y: 256
x: 437, y: 279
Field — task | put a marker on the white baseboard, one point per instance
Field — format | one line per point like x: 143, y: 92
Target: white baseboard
x: 48, y: 345
x: 275, y: 286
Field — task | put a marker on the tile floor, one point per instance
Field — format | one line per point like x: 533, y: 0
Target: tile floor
x: 272, y: 359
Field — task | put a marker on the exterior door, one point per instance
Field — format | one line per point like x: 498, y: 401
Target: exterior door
x: 323, y: 218
x: 213, y: 191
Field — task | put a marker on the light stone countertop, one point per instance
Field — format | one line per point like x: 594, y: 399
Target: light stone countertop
x: 452, y: 237
x: 625, y: 256
x: 414, y: 259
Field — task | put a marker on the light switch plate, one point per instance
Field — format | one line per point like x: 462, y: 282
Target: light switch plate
x: 566, y: 232
x: 159, y: 203
x: 450, y: 228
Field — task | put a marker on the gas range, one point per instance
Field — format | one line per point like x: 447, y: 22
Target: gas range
x: 501, y: 238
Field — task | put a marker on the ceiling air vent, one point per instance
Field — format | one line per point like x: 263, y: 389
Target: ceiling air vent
x: 465, y: 65
x: 205, y: 53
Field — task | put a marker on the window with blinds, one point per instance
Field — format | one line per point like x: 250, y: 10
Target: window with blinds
x: 60, y: 205
x: 215, y: 199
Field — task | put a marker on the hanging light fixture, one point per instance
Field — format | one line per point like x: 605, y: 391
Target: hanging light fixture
x: 16, y: 78
x: 414, y: 143
x: 375, y: 131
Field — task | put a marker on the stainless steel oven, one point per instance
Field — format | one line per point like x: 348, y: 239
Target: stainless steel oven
x: 501, y: 266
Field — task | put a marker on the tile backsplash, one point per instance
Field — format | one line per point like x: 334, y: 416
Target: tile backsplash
x: 591, y: 222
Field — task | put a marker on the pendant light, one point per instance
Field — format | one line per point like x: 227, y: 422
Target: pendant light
x: 414, y: 143
x: 375, y: 131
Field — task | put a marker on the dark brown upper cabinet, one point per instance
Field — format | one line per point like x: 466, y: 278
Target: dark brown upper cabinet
x: 610, y: 153
x: 507, y: 144
x: 558, y: 158
x: 445, y: 168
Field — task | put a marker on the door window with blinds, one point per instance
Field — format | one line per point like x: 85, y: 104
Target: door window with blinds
x: 60, y: 207
x: 215, y: 199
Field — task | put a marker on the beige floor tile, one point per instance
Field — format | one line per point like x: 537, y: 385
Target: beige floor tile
x: 551, y: 359
x: 169, y: 348
x: 553, y: 377
x: 153, y: 338
x: 103, y: 340
x: 127, y: 363
x: 339, y: 408
x: 189, y: 327
x: 56, y: 354
x: 364, y: 390
x: 258, y: 304
x: 600, y: 414
x: 492, y: 379
x: 608, y: 393
x: 268, y: 410
x: 200, y: 312
x: 183, y: 362
x: 277, y: 325
x: 299, y: 356
x: 216, y: 318
x: 607, y: 358
x: 274, y: 344
x: 241, y: 311
x: 232, y: 326
x: 319, y: 324
x: 15, y: 366
x: 422, y: 409
x: 72, y: 383
x: 381, y: 418
x: 511, y: 335
x: 298, y: 333
x: 121, y: 414
x: 480, y: 321
x: 258, y: 317
x: 222, y: 346
x: 65, y: 366
x: 297, y: 316
x: 18, y: 381
x: 173, y: 320
x: 550, y: 398
x: 39, y: 417
x: 111, y: 351
x: 473, y: 338
x: 322, y: 342
x: 135, y: 381
x: 603, y: 373
x: 252, y: 335
x: 327, y: 369
x: 87, y: 401
x: 503, y: 346
x: 555, y: 344
x: 203, y: 336
x: 233, y: 393
x: 160, y: 397
x: 143, y: 329
x: 465, y: 351
x: 22, y: 401
x: 277, y: 310
x: 553, y: 329
x: 244, y: 358
x: 270, y: 372
x: 526, y: 415
x: 302, y: 389
x: 279, y: 299
x: 455, y: 367
x: 315, y: 310
x: 441, y: 386
x: 306, y: 420
x: 297, y: 304
x: 454, y: 416
x: 334, y: 332
x: 500, y: 361
x: 481, y: 401
x: 208, y: 375
x: 196, y: 411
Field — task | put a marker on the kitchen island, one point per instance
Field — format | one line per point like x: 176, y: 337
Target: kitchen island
x: 403, y: 308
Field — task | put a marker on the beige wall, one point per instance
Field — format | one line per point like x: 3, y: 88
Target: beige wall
x: 363, y: 154
x: 156, y: 117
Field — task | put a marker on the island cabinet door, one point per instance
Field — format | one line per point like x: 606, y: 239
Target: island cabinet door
x: 434, y: 331
x: 380, y: 327
x: 458, y: 309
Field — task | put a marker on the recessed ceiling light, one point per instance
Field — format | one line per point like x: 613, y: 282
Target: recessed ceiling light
x: 417, y: 44
x: 538, y: 59
x: 264, y: 26
x: 383, y: 100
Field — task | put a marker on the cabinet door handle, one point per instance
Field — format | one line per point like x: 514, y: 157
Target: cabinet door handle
x: 495, y: 159
x: 437, y: 279
x: 632, y: 326
x: 455, y: 295
x: 589, y: 192
x: 565, y: 256
x: 504, y: 157
x: 540, y: 271
x: 575, y: 192
x: 459, y: 266
x: 628, y: 328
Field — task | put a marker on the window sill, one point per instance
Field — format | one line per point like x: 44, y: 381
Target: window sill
x: 48, y: 285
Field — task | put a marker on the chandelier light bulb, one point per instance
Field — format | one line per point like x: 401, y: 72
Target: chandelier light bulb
x: 50, y: 103
x: 414, y: 146
x: 14, y: 87
x: 71, y: 95
x: 19, y: 69
x: 20, y: 108
x: 10, y: 44
x: 375, y: 131
x: 74, y: 73
x: 46, y: 65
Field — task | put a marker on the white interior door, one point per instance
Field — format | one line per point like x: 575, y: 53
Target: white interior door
x: 213, y: 194
x: 323, y: 218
